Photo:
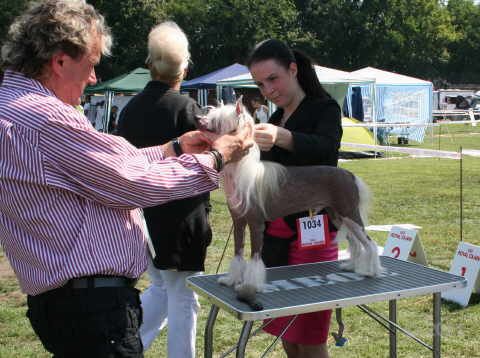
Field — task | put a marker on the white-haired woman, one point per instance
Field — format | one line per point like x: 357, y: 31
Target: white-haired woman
x: 180, y: 230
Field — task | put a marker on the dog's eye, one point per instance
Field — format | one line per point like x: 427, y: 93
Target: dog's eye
x: 204, y: 110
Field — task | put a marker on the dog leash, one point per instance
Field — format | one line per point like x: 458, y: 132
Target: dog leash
x: 224, y: 249
x: 340, y: 340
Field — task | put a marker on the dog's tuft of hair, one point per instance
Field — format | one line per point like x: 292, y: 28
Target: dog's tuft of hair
x: 254, y: 180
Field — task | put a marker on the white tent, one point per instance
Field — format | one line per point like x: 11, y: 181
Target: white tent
x: 398, y: 99
x: 335, y: 82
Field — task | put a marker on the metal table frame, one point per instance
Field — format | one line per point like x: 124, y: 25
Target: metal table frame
x: 241, y: 311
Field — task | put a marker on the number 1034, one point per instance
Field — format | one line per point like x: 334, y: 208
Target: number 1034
x: 311, y: 224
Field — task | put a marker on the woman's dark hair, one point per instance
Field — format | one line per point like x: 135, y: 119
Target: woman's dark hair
x: 277, y: 50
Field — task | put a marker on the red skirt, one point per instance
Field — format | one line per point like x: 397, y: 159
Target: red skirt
x: 309, y: 328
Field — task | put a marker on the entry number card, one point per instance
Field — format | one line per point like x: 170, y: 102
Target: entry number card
x: 312, y: 231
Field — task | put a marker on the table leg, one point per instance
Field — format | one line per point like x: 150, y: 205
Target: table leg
x: 208, y: 339
x: 437, y: 324
x: 392, y: 316
x: 243, y: 340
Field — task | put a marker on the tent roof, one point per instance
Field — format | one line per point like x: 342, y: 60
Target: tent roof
x: 211, y: 79
x: 325, y: 75
x: 134, y: 81
x: 388, y: 78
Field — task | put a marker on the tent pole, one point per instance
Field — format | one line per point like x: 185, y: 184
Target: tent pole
x: 219, y: 93
x: 108, y: 107
x: 374, y: 113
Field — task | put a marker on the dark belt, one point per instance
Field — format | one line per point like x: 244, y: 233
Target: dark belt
x: 101, y: 281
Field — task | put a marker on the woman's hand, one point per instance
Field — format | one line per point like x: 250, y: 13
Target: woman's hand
x: 265, y: 136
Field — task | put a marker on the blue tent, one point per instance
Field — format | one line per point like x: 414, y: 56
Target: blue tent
x: 209, y: 81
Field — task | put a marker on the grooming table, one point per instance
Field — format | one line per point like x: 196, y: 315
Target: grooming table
x: 293, y: 290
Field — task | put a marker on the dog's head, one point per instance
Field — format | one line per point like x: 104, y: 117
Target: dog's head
x: 225, y: 118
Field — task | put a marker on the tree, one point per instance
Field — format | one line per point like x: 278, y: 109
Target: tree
x: 464, y: 66
x: 130, y: 22
x: 409, y: 37
x: 8, y: 11
x: 222, y: 32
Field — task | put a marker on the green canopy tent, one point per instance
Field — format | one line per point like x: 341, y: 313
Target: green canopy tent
x: 132, y: 82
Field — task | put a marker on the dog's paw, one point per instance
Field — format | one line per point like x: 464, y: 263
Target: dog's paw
x: 226, y: 280
x: 348, y: 265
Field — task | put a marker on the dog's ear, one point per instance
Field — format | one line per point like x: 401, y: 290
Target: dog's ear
x: 239, y: 106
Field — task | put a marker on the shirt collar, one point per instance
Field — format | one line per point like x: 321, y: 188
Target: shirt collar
x: 20, y: 81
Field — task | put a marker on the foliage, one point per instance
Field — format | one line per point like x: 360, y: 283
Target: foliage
x: 8, y: 11
x: 130, y: 21
x: 406, y: 37
x: 464, y: 66
x: 432, y: 39
x: 222, y: 32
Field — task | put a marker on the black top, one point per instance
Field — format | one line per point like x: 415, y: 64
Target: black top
x: 180, y: 230
x: 316, y: 129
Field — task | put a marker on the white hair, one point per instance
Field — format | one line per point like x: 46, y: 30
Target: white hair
x: 49, y: 26
x: 253, y: 180
x: 168, y: 52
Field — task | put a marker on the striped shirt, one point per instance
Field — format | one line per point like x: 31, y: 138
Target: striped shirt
x: 70, y: 196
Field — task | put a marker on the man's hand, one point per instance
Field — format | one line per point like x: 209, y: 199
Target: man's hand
x: 194, y: 142
x: 232, y: 146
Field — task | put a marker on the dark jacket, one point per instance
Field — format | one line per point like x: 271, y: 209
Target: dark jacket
x: 316, y: 129
x: 179, y: 230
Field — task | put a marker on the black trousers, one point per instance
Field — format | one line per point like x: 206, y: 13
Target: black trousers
x: 88, y: 323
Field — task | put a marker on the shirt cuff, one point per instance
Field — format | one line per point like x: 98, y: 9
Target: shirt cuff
x: 207, y: 162
x: 154, y: 154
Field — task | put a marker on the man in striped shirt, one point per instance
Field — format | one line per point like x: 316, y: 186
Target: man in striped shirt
x: 70, y: 222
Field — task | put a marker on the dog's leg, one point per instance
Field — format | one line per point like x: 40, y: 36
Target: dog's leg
x: 254, y: 275
x: 366, y: 262
x: 354, y: 247
x: 237, y: 265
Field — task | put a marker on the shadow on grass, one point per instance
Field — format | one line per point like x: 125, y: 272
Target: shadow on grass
x: 454, y: 307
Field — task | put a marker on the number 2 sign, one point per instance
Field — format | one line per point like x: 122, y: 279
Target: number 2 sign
x: 404, y: 244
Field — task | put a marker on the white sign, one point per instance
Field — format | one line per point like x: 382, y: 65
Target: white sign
x: 466, y: 263
x: 312, y: 231
x: 404, y: 244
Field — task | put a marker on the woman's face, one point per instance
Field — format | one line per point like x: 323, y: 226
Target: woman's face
x: 277, y: 83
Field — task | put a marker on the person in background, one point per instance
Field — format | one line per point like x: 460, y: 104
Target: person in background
x: 180, y: 230
x: 70, y: 219
x: 304, y: 130
x: 112, y: 122
x: 86, y: 106
x: 260, y: 114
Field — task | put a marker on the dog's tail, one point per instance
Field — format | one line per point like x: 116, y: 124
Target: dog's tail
x: 365, y: 198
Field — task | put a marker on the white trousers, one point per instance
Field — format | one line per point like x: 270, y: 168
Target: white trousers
x: 168, y: 299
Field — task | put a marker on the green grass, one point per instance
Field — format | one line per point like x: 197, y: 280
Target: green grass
x: 424, y: 192
x: 448, y: 137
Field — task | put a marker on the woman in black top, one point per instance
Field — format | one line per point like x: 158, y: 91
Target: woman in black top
x: 304, y: 130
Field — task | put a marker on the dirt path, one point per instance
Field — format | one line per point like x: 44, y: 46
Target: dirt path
x: 6, y: 271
